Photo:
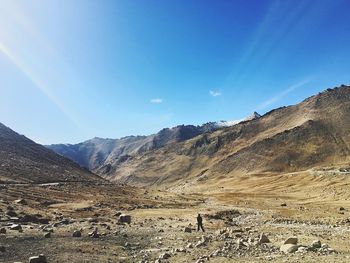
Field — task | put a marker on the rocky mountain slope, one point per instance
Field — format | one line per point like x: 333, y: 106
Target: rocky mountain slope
x: 289, y: 139
x: 97, y: 151
x: 24, y: 161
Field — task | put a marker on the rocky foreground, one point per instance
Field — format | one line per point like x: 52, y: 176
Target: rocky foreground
x: 65, y: 223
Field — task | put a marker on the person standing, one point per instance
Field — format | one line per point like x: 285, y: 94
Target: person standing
x: 200, y: 223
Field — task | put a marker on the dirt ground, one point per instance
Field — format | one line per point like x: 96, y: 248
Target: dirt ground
x: 307, y: 207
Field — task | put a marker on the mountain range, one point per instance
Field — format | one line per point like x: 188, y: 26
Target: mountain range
x: 96, y: 152
x: 289, y: 139
x: 313, y: 133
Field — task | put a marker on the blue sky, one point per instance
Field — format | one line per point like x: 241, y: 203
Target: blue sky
x: 71, y: 70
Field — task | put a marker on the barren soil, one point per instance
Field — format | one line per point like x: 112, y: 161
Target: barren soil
x: 313, y: 205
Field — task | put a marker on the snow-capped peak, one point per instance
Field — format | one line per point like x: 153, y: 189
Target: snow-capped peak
x: 254, y: 116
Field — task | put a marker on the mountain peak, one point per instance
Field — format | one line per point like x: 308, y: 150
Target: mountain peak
x: 254, y: 116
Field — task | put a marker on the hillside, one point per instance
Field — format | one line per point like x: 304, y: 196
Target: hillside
x: 310, y: 134
x: 98, y: 151
x: 24, y: 161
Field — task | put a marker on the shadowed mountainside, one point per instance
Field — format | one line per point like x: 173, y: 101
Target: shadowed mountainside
x: 24, y: 161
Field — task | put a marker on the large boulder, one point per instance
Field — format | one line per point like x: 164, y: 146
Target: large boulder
x: 291, y: 240
x: 123, y: 218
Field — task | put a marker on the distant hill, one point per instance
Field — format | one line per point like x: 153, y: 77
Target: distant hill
x: 97, y: 152
x: 312, y: 133
x: 24, y: 161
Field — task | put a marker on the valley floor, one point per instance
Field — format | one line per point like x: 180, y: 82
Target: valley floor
x: 310, y: 206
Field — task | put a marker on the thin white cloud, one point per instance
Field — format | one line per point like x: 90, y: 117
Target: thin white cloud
x: 285, y: 92
x: 214, y: 93
x: 156, y: 100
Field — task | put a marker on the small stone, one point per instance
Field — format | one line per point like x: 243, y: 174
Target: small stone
x: 124, y: 219
x: 289, y: 248
x: 164, y: 256
x: 2, y: 249
x: 263, y: 239
x: 316, y: 244
x: 189, y: 245
x: 94, y: 234
x: 76, y: 233
x: 324, y: 246
x: 47, y: 235
x: 283, y: 204
x: 302, y: 250
x: 181, y: 250
x: 16, y: 227
x: 21, y: 201
x: 2, y: 230
x: 11, y: 213
x: 38, y: 259
x: 188, y: 229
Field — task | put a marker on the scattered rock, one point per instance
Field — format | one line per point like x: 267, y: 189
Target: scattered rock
x: 2, y: 249
x: 291, y: 240
x: 283, y: 204
x: 117, y: 214
x: 93, y: 220
x: 164, y: 256
x: 123, y: 218
x: 2, y: 230
x: 38, y: 259
x: 11, y: 213
x: 76, y: 233
x: 16, y: 227
x: 202, y: 242
x: 94, y: 234
x: 47, y: 235
x: 316, y: 244
x: 189, y: 245
x: 21, y: 201
x: 263, y: 239
x: 302, y: 249
x: 289, y: 248
x: 188, y: 230
x: 34, y: 219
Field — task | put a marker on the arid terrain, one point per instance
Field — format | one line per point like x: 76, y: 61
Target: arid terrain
x: 274, y: 188
x: 310, y: 206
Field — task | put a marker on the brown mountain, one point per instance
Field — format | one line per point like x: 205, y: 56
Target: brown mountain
x: 310, y: 134
x: 24, y: 161
x: 98, y: 151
